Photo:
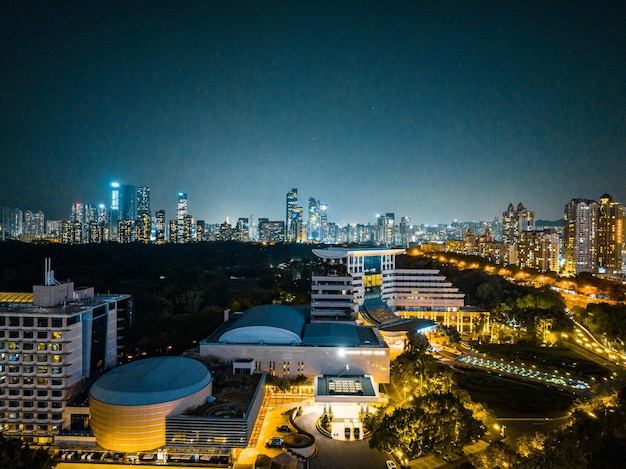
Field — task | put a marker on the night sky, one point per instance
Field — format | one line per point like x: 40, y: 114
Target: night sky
x: 434, y: 110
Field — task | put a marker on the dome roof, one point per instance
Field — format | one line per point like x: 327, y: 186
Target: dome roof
x: 151, y: 381
x: 270, y: 324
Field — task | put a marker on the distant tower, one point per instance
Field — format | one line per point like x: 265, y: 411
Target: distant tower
x: 579, y: 236
x: 114, y: 214
x: 290, y: 216
x: 143, y: 200
x: 181, y: 214
x: 128, y: 202
x: 610, y: 235
x: 386, y: 229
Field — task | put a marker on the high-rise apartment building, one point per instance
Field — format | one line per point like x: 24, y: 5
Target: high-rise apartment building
x: 610, y: 235
x: 34, y: 225
x: 173, y: 231
x: 51, y: 346
x: 538, y: 249
x: 515, y: 220
x: 160, y: 227
x: 579, y: 236
x: 242, y: 230
x: 272, y: 231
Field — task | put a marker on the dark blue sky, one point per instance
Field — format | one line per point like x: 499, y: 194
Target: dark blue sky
x: 430, y: 109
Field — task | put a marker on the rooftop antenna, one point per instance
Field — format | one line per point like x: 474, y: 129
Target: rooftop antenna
x: 49, y: 279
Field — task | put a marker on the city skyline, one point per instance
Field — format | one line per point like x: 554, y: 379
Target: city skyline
x: 432, y: 110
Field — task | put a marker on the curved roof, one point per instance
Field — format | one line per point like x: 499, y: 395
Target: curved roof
x: 415, y: 324
x: 338, y: 253
x: 270, y: 324
x: 151, y: 381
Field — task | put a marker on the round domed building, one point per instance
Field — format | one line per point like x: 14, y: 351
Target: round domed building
x: 128, y: 405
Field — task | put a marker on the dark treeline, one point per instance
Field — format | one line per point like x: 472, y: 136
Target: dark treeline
x: 179, y: 291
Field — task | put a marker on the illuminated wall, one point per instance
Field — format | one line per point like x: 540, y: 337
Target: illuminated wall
x: 140, y: 427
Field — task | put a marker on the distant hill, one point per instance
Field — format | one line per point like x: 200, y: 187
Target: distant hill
x: 542, y: 223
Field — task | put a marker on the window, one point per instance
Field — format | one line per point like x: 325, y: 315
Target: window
x: 29, y: 322
x: 42, y: 369
x: 28, y: 392
x: 57, y: 359
x: 56, y: 370
x: 28, y: 416
x: 14, y: 345
x: 14, y: 322
x: 42, y: 381
x: 57, y: 335
x: 57, y: 382
x: 27, y: 346
x: 57, y: 393
x: 14, y: 380
x: 14, y: 334
x: 56, y: 347
x: 42, y: 322
x: 42, y: 358
x: 42, y: 335
x: 14, y: 392
x: 42, y: 404
x: 14, y: 369
x: 57, y: 322
x: 13, y: 357
x: 28, y: 334
x: 28, y: 357
x: 28, y: 404
x: 57, y: 405
x: 42, y: 346
x: 28, y: 381
x: 42, y: 393
x: 14, y: 403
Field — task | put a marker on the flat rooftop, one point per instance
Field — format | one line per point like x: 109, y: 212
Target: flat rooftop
x: 345, y: 388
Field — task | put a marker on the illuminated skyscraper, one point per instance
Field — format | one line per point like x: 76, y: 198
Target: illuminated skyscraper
x: 579, y: 236
x: 181, y: 213
x: 12, y: 222
x: 386, y: 229
x: 143, y: 200
x: 293, y: 217
x: 114, y: 213
x: 610, y: 235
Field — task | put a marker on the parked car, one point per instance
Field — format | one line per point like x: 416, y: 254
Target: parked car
x: 283, y: 428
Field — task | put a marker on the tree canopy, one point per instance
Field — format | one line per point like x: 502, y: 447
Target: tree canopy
x: 16, y: 454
